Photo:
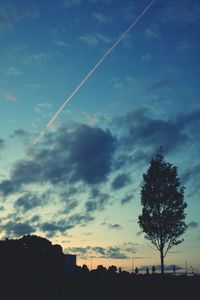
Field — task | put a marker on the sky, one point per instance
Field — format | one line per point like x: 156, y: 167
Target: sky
x: 80, y: 185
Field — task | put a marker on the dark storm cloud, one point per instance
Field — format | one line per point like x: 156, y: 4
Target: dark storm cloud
x: 91, y: 206
x: 121, y: 181
x: 98, y: 200
x: 115, y: 226
x: 20, y: 134
x: 121, y: 251
x: 115, y: 253
x: 191, y: 173
x: 85, y: 154
x: 144, y: 130
x: 190, y: 178
x: 53, y: 227
x: 30, y: 201
x: 99, y: 250
x: 35, y: 218
x: 109, y: 252
x: 8, y: 187
x: 192, y: 225
x: 127, y: 199
x: 91, y: 153
x: 69, y: 198
x: 17, y: 229
x: 141, y: 156
x: 26, y: 171
x: 137, y: 157
x: 80, y: 219
x: 2, y: 143
x: 69, y: 192
x: 69, y: 206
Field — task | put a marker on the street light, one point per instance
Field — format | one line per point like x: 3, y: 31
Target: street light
x: 133, y: 265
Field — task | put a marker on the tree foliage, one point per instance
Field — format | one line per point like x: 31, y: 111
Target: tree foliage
x: 163, y: 213
x: 30, y: 255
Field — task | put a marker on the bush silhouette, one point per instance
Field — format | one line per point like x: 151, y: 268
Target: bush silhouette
x: 30, y: 256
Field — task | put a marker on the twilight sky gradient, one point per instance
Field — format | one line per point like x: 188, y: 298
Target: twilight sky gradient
x: 80, y: 186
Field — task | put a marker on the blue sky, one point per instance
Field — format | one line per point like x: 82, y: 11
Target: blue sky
x: 80, y: 186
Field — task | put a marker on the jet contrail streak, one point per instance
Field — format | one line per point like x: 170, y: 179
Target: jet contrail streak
x: 92, y: 71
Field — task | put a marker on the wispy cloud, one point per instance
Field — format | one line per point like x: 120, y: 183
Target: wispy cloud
x: 36, y: 58
x: 99, y: 1
x: 152, y: 32
x: 43, y: 107
x: 101, y: 18
x: 60, y: 44
x: 184, y: 45
x: 161, y: 84
x: 146, y: 57
x: 36, y: 86
x: 114, y: 226
x: 119, y: 83
x: 186, y: 13
x: 77, y: 3
x: 193, y: 225
x: 71, y: 3
x: 13, y: 71
x: 11, y: 15
x: 94, y: 39
x: 10, y: 97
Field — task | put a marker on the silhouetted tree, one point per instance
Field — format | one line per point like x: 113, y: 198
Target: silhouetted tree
x: 101, y: 270
x: 30, y: 256
x: 112, y: 269
x: 162, y: 198
x: 136, y: 270
x: 153, y: 270
x: 85, y: 268
x: 147, y: 271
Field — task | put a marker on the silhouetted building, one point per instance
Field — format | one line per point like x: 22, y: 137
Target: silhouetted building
x: 70, y: 262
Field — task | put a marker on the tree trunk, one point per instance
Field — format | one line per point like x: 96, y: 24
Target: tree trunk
x: 161, y: 261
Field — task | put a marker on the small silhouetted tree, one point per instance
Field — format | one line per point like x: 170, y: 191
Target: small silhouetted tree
x: 85, y: 268
x: 153, y: 270
x: 162, y: 198
x: 147, y: 271
x: 136, y: 270
x: 101, y: 270
x: 112, y: 269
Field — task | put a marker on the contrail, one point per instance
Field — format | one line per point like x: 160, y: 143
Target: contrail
x: 92, y: 71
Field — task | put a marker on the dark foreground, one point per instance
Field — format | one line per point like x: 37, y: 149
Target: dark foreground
x: 98, y: 287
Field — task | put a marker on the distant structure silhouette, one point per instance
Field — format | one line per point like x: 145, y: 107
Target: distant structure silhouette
x: 174, y: 270
x: 70, y: 262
